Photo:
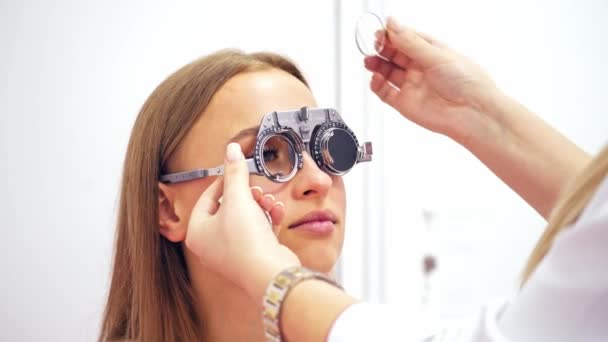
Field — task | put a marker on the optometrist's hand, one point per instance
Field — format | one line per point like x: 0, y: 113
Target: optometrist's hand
x: 437, y: 88
x: 430, y: 84
x: 235, y: 238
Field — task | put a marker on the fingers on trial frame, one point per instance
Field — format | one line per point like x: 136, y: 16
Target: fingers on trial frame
x: 276, y: 209
x: 211, y: 199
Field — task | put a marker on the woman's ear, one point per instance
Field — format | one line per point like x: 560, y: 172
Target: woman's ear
x: 169, y: 222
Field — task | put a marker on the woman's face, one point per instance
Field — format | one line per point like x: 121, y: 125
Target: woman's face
x: 313, y: 226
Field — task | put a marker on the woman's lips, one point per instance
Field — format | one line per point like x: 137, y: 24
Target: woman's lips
x: 317, y: 222
x: 316, y: 227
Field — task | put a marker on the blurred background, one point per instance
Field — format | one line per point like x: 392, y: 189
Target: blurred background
x: 73, y: 75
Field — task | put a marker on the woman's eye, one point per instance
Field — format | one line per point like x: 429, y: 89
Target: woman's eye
x: 270, y: 155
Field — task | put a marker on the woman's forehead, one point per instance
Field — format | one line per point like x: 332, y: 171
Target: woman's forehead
x: 240, y: 104
x: 245, y: 98
x: 248, y: 96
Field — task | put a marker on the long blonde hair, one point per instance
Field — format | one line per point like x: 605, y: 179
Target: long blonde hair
x: 567, y: 210
x: 150, y: 295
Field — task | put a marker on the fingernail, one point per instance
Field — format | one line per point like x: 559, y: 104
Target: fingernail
x: 268, y: 217
x: 234, y: 152
x: 270, y: 197
x: 279, y: 204
x: 256, y: 192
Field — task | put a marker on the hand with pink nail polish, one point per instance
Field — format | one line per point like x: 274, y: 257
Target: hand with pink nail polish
x: 428, y: 83
x: 445, y: 92
x: 236, y: 238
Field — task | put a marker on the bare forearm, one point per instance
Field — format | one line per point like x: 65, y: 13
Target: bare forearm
x: 310, y: 310
x: 525, y: 152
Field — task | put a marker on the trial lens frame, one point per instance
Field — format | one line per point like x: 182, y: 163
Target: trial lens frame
x: 305, y: 120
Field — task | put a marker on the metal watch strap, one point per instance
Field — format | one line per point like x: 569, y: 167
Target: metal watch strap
x: 276, y: 293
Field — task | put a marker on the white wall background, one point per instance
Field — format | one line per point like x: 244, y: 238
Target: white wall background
x: 73, y: 77
x: 74, y: 74
x: 550, y: 55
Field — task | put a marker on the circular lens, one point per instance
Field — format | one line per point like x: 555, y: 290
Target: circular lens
x: 279, y: 157
x: 339, y: 150
x: 370, y: 34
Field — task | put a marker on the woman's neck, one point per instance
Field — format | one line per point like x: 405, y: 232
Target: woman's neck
x: 226, y: 312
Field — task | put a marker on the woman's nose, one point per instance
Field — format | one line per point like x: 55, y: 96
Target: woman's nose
x: 311, y: 181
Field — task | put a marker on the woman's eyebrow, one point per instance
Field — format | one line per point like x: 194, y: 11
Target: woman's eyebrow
x: 245, y: 133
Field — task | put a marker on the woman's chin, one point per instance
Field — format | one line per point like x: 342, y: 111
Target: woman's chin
x: 322, y: 261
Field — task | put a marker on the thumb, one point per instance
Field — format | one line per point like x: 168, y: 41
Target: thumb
x: 207, y: 203
x: 411, y: 44
x: 236, y: 175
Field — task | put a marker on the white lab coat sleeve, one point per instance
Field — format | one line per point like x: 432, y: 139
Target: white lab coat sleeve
x: 376, y: 322
x: 566, y: 299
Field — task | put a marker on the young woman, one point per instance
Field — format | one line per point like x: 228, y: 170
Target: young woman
x: 159, y: 289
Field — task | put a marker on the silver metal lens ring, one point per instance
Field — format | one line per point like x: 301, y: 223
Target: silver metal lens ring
x: 258, y: 152
x: 370, y: 34
x: 335, y: 148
